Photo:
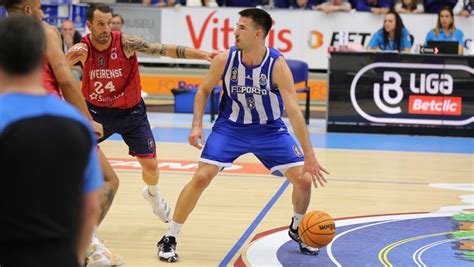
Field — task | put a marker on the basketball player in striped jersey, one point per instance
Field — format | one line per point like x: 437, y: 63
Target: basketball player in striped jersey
x: 256, y: 82
x: 58, y: 80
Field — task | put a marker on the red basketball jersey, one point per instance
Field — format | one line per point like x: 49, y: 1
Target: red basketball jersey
x: 49, y: 79
x: 110, y: 79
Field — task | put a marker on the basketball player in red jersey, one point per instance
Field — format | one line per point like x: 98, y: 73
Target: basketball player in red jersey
x: 111, y: 86
x: 58, y: 80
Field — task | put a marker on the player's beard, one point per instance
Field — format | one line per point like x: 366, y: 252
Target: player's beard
x: 102, y: 38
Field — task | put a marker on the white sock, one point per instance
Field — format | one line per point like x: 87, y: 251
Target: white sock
x: 296, y: 220
x: 173, y: 229
x: 153, y: 189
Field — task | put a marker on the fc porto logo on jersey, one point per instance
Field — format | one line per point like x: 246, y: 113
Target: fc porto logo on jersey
x: 101, y: 62
x: 250, y: 102
x: 297, y: 151
x: 233, y: 74
x: 263, y: 80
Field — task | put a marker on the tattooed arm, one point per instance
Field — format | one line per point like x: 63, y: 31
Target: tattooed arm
x: 132, y: 44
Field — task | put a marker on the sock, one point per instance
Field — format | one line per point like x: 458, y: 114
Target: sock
x: 296, y: 220
x: 153, y: 189
x: 173, y: 229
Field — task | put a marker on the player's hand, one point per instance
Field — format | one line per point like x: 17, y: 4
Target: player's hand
x: 194, y: 136
x: 211, y: 55
x: 312, y: 166
x: 98, y: 129
x: 75, y: 54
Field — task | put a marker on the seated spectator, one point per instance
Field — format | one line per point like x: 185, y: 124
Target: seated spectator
x: 240, y: 3
x: 464, y: 8
x: 209, y: 3
x: 435, y: 6
x: 409, y: 6
x: 302, y: 4
x: 393, y: 35
x: 281, y: 3
x: 162, y: 3
x: 374, y: 6
x: 445, y: 30
x: 334, y: 5
x: 69, y: 34
x: 117, y: 22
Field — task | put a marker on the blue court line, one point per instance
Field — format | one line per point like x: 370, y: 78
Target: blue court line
x: 376, y: 142
x: 254, y: 225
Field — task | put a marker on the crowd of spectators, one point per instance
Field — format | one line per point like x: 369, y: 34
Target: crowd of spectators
x: 459, y: 7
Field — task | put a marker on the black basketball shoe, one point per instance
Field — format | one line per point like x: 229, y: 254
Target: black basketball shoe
x: 305, y: 249
x: 167, y: 249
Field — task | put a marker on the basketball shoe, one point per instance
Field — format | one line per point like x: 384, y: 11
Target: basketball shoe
x: 159, y: 205
x: 167, y: 249
x: 305, y: 249
x: 100, y: 256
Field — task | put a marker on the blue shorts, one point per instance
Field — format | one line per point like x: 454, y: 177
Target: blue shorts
x: 270, y: 143
x: 132, y: 124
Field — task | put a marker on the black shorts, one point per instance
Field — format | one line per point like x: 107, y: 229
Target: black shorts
x: 132, y: 124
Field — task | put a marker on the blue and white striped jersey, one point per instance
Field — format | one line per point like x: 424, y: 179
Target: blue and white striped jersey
x: 249, y: 95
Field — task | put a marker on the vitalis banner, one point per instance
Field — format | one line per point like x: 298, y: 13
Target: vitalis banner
x: 414, y: 94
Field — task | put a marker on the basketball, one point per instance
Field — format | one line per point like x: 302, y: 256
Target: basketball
x: 317, y: 229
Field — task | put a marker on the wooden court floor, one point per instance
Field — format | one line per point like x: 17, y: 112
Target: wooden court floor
x: 362, y: 182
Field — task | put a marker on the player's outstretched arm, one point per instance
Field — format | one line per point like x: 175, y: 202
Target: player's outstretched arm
x: 284, y: 80
x: 132, y: 44
x: 200, y: 100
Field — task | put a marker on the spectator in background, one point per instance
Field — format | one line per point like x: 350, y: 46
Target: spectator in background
x: 435, y: 6
x: 445, y: 30
x: 374, y: 6
x: 334, y: 5
x: 162, y: 3
x: 69, y: 34
x: 281, y: 3
x: 409, y: 6
x: 302, y: 4
x: 117, y: 22
x: 244, y: 3
x: 209, y: 3
x: 393, y: 35
x: 464, y: 8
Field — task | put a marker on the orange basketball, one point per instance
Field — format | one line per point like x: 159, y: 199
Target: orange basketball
x: 317, y: 229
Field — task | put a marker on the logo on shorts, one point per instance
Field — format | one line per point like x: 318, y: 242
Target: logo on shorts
x: 233, y: 74
x: 250, y: 102
x: 151, y: 144
x: 101, y: 62
x: 297, y: 151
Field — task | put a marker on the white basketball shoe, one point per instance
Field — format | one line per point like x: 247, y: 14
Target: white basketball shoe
x: 159, y: 205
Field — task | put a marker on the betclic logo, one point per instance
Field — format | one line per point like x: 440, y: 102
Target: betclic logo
x: 429, y: 91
